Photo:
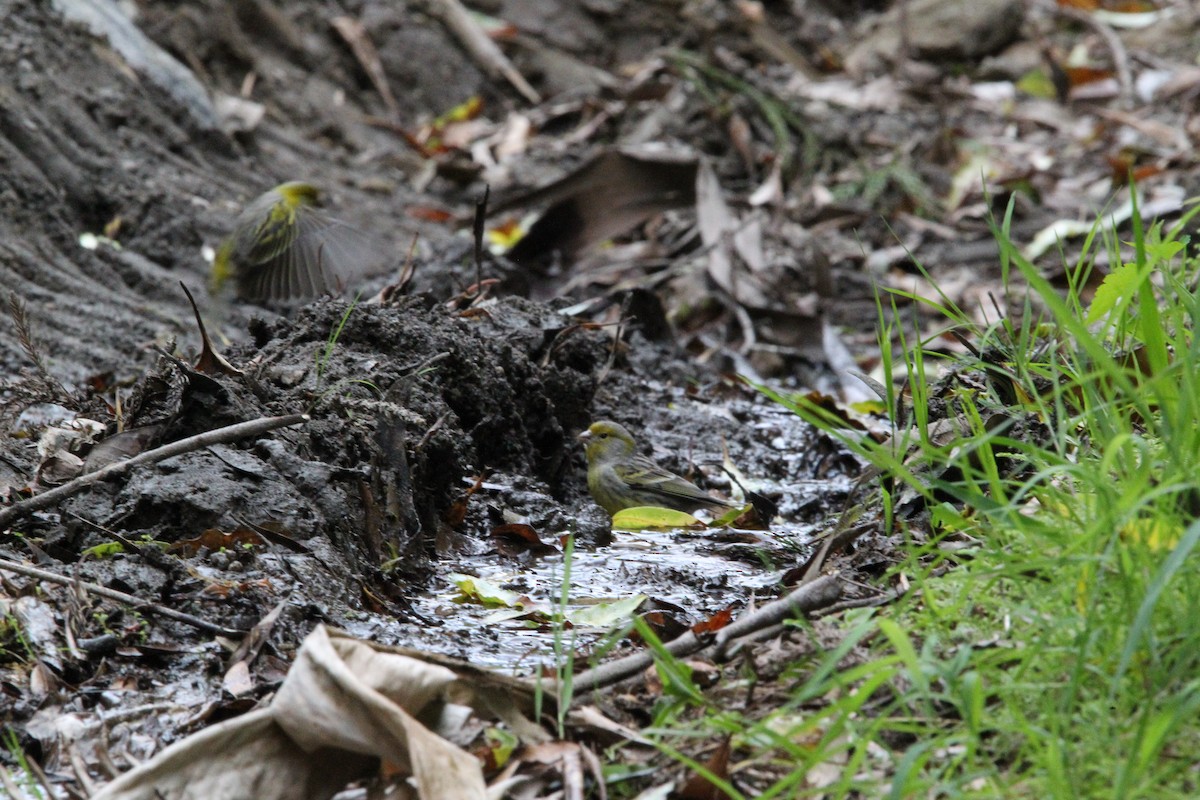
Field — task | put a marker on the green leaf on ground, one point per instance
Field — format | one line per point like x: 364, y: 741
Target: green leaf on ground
x: 485, y: 592
x: 606, y: 615
x: 642, y: 518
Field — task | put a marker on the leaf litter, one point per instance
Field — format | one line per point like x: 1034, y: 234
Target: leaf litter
x: 439, y: 384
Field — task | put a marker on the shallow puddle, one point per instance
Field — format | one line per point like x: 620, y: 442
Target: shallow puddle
x: 687, y: 576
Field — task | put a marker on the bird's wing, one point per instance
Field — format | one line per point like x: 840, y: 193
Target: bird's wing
x: 644, y: 475
x: 322, y: 256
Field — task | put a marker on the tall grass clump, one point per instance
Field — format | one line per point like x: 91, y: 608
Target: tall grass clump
x: 1057, y: 654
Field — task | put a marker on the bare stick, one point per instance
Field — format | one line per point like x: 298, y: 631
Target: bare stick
x: 478, y: 230
x: 823, y: 591
x: 616, y: 345
x: 483, y: 50
x: 120, y: 597
x: 810, y: 597
x: 1115, y: 47
x: 730, y: 647
x: 862, y: 602
x: 355, y: 34
x: 230, y: 433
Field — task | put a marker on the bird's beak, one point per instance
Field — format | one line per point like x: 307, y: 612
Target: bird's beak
x: 584, y: 437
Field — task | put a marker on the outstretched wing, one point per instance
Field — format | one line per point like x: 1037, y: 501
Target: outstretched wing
x: 316, y: 255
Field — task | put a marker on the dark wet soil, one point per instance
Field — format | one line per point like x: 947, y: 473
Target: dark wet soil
x: 437, y: 416
x: 411, y: 402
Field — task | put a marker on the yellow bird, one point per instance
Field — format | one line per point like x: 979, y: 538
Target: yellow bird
x: 283, y: 247
x: 618, y: 478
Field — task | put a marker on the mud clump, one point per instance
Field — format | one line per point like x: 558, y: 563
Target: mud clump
x: 408, y: 404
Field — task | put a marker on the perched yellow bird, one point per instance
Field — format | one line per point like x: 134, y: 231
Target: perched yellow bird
x: 619, y: 478
x: 283, y: 247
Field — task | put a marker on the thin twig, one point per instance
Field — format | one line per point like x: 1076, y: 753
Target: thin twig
x: 410, y: 267
x: 616, y: 344
x: 483, y: 50
x: 33, y: 766
x: 7, y: 783
x: 862, y: 602
x: 151, y: 555
x: 355, y: 34
x: 818, y: 594
x: 230, y: 433
x: 121, y: 597
x: 81, y: 771
x: 732, y: 647
x: 104, y: 759
x: 1113, y: 42
x: 432, y: 430
x: 477, y: 231
x: 810, y: 597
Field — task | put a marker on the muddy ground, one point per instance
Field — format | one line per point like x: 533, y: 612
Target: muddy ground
x: 442, y: 412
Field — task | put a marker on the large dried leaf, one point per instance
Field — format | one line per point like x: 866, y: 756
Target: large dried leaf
x: 725, y: 236
x: 606, y: 197
x: 343, y: 705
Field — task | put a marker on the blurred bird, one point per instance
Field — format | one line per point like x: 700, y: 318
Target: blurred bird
x: 619, y: 478
x: 284, y: 248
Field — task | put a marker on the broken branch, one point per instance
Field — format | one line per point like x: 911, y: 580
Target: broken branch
x: 122, y: 597
x: 230, y: 433
x: 810, y: 597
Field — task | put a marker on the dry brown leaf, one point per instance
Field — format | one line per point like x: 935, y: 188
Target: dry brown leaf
x: 214, y: 540
x: 715, y: 622
x: 699, y: 787
x: 724, y: 235
x: 515, y: 538
x: 344, y: 704
x: 606, y: 197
